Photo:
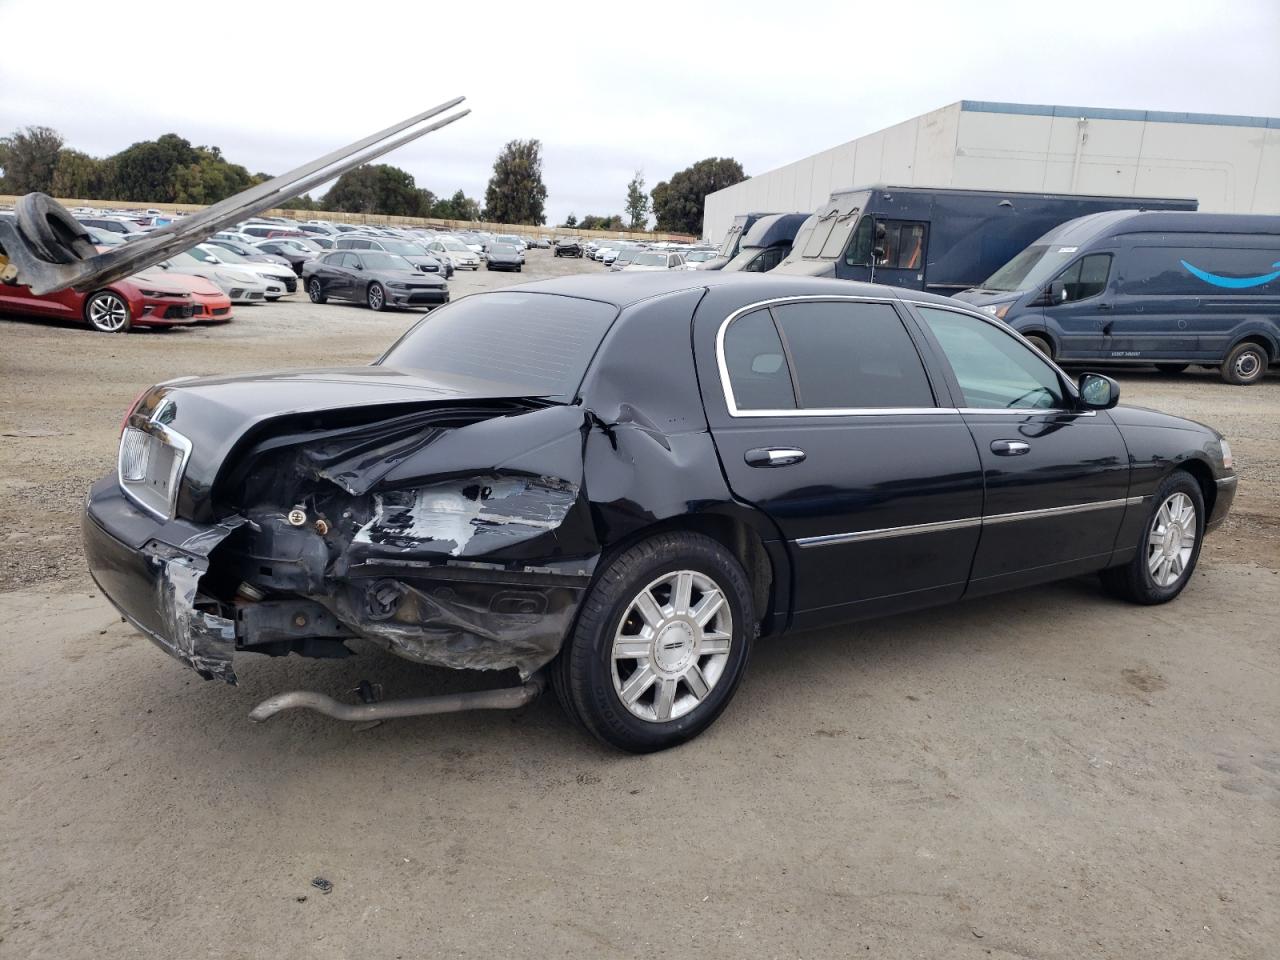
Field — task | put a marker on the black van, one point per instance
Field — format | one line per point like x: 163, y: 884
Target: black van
x: 936, y: 238
x: 1171, y: 289
x: 766, y: 243
x: 733, y: 240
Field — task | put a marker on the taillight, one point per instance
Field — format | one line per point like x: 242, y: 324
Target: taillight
x: 132, y: 407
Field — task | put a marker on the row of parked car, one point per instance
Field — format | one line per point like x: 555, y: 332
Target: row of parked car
x: 634, y: 255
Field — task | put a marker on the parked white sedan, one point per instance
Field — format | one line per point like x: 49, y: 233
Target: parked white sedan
x: 649, y: 260
x: 463, y: 256
x: 241, y: 285
x: 269, y: 272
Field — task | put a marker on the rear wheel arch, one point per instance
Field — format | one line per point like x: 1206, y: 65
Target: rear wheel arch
x: 1271, y: 346
x: 734, y: 534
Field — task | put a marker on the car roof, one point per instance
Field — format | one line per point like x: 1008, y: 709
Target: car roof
x: 622, y: 290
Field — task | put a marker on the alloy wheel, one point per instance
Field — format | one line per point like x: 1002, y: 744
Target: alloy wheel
x: 108, y: 313
x: 672, y: 645
x: 1171, y: 540
x: 375, y: 297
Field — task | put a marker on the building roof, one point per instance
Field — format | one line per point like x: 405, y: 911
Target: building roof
x: 1106, y: 113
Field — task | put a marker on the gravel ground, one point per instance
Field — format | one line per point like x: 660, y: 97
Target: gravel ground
x: 1043, y: 774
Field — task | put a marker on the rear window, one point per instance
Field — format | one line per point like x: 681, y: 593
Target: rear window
x: 539, y: 343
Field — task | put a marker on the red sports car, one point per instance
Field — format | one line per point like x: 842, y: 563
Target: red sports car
x: 208, y: 303
x: 143, y: 301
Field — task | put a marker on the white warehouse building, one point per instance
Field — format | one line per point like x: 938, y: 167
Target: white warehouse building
x: 1229, y: 164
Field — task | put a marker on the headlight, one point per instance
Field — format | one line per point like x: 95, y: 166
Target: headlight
x: 159, y: 293
x: 1227, y: 460
x: 398, y: 286
x: 997, y: 310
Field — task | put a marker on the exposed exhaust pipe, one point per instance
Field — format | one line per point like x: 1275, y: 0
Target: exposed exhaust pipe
x: 508, y: 698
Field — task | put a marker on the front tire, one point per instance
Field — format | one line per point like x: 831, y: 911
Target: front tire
x: 661, y: 643
x: 1041, y: 343
x: 1245, y: 364
x: 376, y: 297
x: 1169, y: 546
x: 315, y: 290
x: 108, y: 312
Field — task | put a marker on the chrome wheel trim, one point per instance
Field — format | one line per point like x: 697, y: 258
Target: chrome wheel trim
x: 671, y: 646
x: 375, y: 296
x: 108, y: 312
x: 1247, y: 365
x: 1171, y: 540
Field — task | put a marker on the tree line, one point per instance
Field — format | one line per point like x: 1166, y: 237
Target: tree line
x: 170, y: 169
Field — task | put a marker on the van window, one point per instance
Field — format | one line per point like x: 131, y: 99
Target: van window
x: 995, y: 370
x: 1197, y: 271
x: 848, y: 355
x: 1085, y: 278
x: 757, y: 365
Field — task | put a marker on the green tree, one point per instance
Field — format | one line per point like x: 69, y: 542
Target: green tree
x: 592, y: 222
x: 678, y: 204
x: 570, y: 221
x: 379, y: 188
x: 148, y: 170
x: 516, y: 193
x: 80, y: 176
x: 28, y: 158
x: 637, y: 202
x: 457, y: 207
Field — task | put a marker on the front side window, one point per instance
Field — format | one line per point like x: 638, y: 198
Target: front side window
x: 995, y: 370
x: 1085, y: 278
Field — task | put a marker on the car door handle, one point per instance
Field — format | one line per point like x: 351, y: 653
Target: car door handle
x: 773, y: 456
x: 1009, y: 448
x: 1104, y: 306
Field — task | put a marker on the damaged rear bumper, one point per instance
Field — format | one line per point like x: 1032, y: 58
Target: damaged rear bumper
x: 150, y: 570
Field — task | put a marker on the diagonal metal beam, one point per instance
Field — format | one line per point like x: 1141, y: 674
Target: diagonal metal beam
x: 87, y: 273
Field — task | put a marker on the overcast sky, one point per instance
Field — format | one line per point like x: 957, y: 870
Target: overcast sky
x: 608, y: 88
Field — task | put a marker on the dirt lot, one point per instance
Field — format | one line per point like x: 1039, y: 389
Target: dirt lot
x: 1047, y: 774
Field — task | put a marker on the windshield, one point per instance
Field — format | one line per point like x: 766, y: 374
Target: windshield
x: 700, y: 256
x: 1032, y: 267
x: 183, y: 260
x: 454, y: 246
x: 503, y: 248
x: 402, y: 247
x: 229, y: 256
x: 730, y: 244
x: 540, y: 344
x: 384, y: 261
x: 649, y: 259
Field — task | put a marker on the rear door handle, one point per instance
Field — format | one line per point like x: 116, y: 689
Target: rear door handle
x: 1104, y: 306
x: 773, y: 456
x: 1009, y: 448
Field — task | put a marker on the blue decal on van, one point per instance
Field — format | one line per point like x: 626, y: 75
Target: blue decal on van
x: 1232, y: 283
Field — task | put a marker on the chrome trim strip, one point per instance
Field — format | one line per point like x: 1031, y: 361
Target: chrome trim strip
x: 1227, y: 481
x: 940, y: 526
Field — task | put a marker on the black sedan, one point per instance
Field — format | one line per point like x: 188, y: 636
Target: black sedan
x: 567, y: 247
x: 371, y: 277
x: 619, y: 483
x: 503, y: 256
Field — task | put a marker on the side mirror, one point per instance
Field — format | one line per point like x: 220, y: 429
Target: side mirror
x: 1057, y: 292
x: 1098, y: 392
x: 359, y: 266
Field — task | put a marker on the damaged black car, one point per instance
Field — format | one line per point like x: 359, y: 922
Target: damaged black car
x: 619, y: 483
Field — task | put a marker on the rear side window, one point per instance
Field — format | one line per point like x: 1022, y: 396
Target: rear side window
x: 757, y: 364
x: 1214, y: 269
x: 851, y: 355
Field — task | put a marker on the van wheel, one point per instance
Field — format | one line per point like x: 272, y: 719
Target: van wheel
x: 1041, y: 344
x: 1172, y: 367
x: 1246, y: 363
x: 662, y: 640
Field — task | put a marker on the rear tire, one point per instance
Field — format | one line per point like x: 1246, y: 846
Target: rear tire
x: 376, y: 297
x: 315, y: 290
x: 1168, y: 546
x: 108, y: 312
x: 1245, y: 364
x: 1041, y: 343
x: 1172, y: 368
x: 661, y: 642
